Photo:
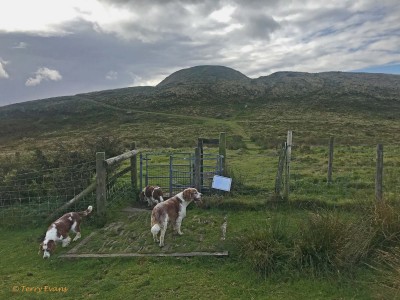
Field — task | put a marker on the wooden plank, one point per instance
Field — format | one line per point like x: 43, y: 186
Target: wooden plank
x: 112, y: 255
x: 113, y: 160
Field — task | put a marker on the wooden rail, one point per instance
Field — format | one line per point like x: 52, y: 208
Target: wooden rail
x: 176, y: 254
x: 114, y: 160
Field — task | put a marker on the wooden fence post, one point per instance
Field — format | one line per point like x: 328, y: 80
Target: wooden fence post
x: 134, y: 181
x: 222, y: 151
x: 101, y: 189
x: 379, y: 173
x: 288, y: 159
x: 330, y: 160
x: 197, y: 169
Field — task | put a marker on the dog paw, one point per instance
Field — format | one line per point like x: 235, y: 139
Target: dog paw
x: 180, y: 232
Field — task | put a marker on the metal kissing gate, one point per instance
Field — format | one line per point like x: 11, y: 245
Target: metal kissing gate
x: 177, y: 171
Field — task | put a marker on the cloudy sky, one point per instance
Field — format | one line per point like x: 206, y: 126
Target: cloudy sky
x: 62, y: 47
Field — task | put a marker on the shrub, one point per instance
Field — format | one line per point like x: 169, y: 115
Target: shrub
x: 388, y: 266
x: 385, y: 221
x: 266, y: 248
x: 322, y: 244
x: 328, y: 243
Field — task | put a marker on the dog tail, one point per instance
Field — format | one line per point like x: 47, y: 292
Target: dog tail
x: 86, y: 212
x: 155, y: 229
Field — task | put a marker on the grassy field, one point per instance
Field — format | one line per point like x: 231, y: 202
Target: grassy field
x: 263, y: 240
x: 327, y: 242
x: 22, y: 270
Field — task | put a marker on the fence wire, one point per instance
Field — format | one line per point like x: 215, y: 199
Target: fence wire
x: 29, y: 198
x: 353, y: 173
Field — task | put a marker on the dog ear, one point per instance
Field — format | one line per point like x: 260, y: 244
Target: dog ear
x: 51, y: 245
x: 187, y: 194
x: 193, y: 191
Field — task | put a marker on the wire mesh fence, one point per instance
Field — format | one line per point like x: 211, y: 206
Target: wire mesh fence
x: 28, y: 198
x: 353, y: 173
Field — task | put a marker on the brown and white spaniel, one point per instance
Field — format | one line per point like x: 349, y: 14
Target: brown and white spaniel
x: 171, y: 210
x: 59, y: 230
x: 152, y: 194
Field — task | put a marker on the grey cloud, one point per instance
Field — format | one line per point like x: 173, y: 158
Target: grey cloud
x: 257, y: 24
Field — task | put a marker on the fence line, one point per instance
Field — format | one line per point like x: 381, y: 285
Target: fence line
x: 27, y: 198
x: 355, y: 173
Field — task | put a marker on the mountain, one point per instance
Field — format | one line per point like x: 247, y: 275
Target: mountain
x: 203, y: 75
x: 205, y: 100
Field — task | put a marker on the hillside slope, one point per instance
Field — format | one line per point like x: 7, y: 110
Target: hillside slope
x: 204, y: 100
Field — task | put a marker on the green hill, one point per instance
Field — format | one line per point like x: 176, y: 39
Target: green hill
x: 356, y: 108
x: 203, y: 75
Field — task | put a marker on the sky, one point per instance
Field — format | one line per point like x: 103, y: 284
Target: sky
x: 51, y: 48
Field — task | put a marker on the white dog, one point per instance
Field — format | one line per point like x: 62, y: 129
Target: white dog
x: 59, y: 230
x: 174, y: 210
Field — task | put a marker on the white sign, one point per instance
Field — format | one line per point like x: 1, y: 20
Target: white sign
x: 221, y: 183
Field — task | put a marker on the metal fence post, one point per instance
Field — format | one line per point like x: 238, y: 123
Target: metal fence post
x: 170, y: 175
x: 146, y: 178
x: 197, y: 171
